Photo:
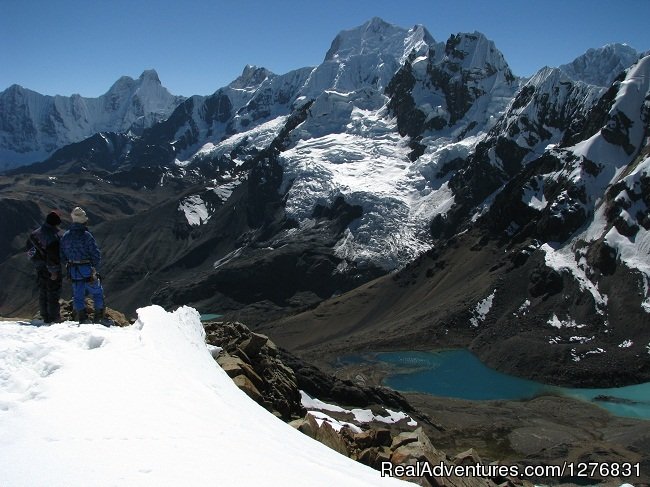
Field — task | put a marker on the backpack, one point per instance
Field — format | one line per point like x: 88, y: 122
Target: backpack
x: 35, y: 249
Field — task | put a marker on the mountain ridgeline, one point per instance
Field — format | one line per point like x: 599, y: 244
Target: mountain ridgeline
x: 404, y: 193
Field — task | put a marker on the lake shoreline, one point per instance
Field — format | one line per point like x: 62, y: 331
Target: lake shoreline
x: 458, y: 373
x: 546, y: 429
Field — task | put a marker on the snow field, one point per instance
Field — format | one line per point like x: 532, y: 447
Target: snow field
x: 143, y: 405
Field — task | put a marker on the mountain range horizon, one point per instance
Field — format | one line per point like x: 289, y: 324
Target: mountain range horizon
x: 153, y: 71
x: 405, y: 194
x: 365, y: 165
x: 618, y: 55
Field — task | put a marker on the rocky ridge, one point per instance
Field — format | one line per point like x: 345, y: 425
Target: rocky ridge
x: 280, y: 382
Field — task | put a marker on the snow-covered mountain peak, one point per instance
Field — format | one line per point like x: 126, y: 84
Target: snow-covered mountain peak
x: 602, y: 65
x: 619, y: 141
x: 418, y: 42
x: 252, y: 77
x: 474, y: 51
x: 149, y: 75
x: 50, y: 122
x: 148, y: 80
x: 15, y: 88
x: 124, y: 83
x: 548, y: 76
x: 373, y: 37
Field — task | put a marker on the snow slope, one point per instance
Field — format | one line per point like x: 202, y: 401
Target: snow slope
x: 144, y: 405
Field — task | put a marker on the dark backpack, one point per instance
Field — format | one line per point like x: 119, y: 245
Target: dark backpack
x: 35, y: 249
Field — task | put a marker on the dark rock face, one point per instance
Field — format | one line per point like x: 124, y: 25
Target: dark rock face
x: 596, y: 118
x: 545, y: 282
x: 253, y: 362
x: 410, y: 119
x: 449, y: 81
x: 329, y: 388
x: 602, y: 258
x: 628, y: 203
x: 278, y: 375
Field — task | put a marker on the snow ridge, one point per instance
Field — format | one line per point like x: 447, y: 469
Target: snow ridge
x: 144, y: 405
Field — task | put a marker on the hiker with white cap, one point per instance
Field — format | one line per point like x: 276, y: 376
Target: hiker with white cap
x: 82, y: 258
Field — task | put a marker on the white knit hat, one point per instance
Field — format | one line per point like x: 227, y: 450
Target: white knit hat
x: 78, y: 215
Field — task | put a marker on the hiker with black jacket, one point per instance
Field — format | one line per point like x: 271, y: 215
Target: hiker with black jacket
x: 43, y: 250
x: 81, y: 256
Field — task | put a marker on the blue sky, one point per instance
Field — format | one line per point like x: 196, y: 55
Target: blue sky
x: 197, y: 46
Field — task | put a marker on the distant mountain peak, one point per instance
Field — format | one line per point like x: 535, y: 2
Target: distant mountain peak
x: 51, y: 122
x: 474, y: 50
x: 251, y: 77
x: 150, y: 75
x: 377, y: 24
x: 600, y: 66
x: 375, y: 36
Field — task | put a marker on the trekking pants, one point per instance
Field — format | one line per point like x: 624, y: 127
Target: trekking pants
x: 93, y: 288
x: 49, y: 292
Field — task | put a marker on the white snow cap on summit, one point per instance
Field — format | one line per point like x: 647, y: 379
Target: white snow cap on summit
x: 375, y: 37
x: 601, y: 66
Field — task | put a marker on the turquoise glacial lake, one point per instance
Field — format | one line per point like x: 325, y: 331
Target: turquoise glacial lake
x: 459, y: 374
x: 210, y: 316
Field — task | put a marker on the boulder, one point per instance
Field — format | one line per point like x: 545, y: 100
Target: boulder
x: 374, y: 457
x: 374, y: 437
x: 326, y: 434
x: 234, y: 366
x: 67, y: 313
x: 253, y: 344
x: 307, y: 425
x: 403, y: 439
x: 468, y: 457
x: 245, y: 384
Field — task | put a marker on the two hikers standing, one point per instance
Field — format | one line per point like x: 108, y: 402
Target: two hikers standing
x: 79, y: 254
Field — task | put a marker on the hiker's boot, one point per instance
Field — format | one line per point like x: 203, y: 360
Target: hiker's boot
x: 82, y: 317
x: 100, y: 317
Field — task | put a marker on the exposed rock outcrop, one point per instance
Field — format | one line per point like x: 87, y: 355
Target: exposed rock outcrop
x: 393, y: 442
x: 117, y: 318
x: 252, y: 361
